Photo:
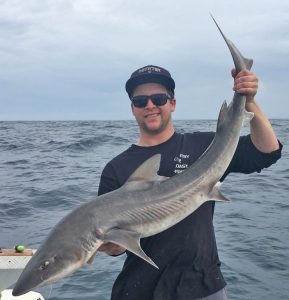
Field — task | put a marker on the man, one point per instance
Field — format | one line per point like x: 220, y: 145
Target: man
x: 185, y: 253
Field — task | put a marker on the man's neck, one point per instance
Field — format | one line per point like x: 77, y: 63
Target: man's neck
x: 149, y: 139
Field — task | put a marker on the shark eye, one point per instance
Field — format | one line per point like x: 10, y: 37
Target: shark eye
x: 44, y: 265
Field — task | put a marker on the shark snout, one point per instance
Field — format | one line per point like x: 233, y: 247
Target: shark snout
x: 21, y: 288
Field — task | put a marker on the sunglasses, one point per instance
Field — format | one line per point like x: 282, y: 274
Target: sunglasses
x: 157, y: 99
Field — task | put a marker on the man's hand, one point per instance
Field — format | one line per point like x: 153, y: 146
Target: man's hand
x: 262, y: 133
x: 245, y: 82
x: 111, y: 249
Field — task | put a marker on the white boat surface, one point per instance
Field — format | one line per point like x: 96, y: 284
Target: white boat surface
x: 11, y: 265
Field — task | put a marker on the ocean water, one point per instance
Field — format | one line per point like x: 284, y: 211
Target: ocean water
x: 49, y: 168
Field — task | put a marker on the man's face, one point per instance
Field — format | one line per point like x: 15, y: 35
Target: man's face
x: 153, y: 119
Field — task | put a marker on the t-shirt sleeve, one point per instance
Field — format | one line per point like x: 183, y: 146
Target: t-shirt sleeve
x: 108, y: 180
x: 248, y: 159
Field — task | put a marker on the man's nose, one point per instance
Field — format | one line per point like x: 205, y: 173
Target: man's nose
x: 150, y: 104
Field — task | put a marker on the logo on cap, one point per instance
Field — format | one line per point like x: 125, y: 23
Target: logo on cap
x: 150, y: 70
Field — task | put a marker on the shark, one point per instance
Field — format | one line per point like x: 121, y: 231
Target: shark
x: 145, y: 205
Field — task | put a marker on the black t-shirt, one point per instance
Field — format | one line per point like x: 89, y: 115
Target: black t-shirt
x: 185, y: 253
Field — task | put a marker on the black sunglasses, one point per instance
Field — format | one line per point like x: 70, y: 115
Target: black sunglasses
x: 157, y: 99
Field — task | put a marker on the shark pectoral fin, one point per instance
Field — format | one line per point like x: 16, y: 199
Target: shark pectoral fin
x: 215, y: 193
x: 129, y: 240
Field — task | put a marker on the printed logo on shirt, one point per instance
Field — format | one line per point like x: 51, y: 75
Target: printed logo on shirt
x: 181, y: 163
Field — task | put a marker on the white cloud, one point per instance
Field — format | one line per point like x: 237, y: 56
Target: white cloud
x: 84, y: 48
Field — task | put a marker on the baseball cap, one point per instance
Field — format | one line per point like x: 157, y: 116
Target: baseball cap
x: 150, y: 74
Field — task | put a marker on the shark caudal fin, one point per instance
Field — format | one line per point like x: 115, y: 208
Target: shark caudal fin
x: 240, y: 61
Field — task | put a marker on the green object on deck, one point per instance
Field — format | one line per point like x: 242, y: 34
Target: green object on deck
x: 19, y: 248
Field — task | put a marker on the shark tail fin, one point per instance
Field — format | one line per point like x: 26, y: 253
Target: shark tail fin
x: 244, y: 63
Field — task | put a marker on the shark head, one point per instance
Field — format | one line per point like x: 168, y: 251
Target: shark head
x: 46, y: 266
x: 64, y: 251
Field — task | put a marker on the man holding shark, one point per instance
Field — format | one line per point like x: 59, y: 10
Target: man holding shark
x: 186, y: 254
x: 164, y: 221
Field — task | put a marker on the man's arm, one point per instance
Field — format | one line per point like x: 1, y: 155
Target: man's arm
x: 262, y: 133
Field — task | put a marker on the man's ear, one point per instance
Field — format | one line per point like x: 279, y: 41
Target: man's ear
x: 131, y: 106
x: 173, y: 104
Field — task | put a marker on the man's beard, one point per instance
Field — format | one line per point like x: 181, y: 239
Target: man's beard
x: 155, y: 131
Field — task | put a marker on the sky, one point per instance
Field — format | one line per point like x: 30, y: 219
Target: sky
x: 70, y: 59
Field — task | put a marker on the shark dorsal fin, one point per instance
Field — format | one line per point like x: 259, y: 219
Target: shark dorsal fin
x: 147, y: 171
x: 222, y: 115
x: 145, y: 176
